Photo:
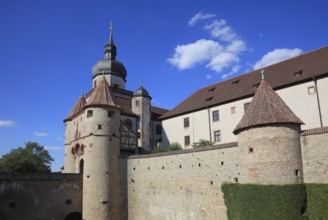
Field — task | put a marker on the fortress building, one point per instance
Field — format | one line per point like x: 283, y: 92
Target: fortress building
x: 269, y: 127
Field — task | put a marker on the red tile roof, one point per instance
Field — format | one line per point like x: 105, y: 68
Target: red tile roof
x: 289, y: 72
x: 76, y: 109
x: 266, y: 108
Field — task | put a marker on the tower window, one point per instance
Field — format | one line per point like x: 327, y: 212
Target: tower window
x: 99, y: 127
x: 217, y: 136
x: 215, y: 115
x: 311, y: 90
x: 110, y: 113
x: 233, y: 110
x: 137, y: 103
x: 89, y: 113
x: 187, y: 140
x: 186, y: 122
x: 250, y: 150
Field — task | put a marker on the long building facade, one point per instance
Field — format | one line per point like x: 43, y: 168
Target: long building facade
x: 213, y: 112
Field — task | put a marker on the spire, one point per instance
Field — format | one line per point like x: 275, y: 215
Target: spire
x: 266, y: 108
x: 110, y: 48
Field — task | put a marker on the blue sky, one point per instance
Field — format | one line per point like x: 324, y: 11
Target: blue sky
x: 48, y: 48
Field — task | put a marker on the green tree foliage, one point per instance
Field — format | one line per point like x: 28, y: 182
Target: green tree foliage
x: 202, y: 143
x: 174, y: 146
x: 32, y: 158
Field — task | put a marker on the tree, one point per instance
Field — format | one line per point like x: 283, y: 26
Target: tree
x: 32, y: 158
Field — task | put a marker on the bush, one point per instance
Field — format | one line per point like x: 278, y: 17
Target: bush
x: 174, y: 146
x: 269, y: 202
x: 317, y: 200
x: 159, y: 149
x: 202, y: 143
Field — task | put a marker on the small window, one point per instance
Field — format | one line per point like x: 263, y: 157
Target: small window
x: 186, y: 122
x: 211, y: 90
x: 217, y: 136
x: 250, y: 150
x: 116, y: 86
x: 158, y: 129
x: 298, y: 73
x: 137, y: 103
x: 110, y: 114
x: 297, y: 172
x: 235, y: 82
x: 215, y: 115
x: 99, y: 127
x: 255, y: 86
x: 89, y: 113
x: 246, y: 105
x: 208, y: 99
x: 187, y: 140
x: 233, y: 110
x: 311, y: 90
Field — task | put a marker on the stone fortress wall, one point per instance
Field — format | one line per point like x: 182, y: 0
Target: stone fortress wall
x: 186, y: 184
x: 40, y: 196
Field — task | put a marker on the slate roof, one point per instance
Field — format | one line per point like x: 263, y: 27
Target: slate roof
x: 76, y: 109
x: 284, y: 74
x: 266, y: 108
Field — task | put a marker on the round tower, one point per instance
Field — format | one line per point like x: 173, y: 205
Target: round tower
x: 141, y: 103
x: 101, y: 188
x: 114, y: 71
x: 269, y: 140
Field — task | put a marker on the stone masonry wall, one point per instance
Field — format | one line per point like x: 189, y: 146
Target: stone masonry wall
x: 181, y: 185
x: 314, y: 143
x: 39, y: 196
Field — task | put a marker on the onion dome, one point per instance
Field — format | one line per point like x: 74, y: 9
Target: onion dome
x: 266, y: 108
x: 141, y: 92
x: 109, y: 65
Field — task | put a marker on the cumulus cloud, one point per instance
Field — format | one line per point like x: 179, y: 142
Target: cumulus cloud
x: 40, y: 134
x: 208, y: 76
x: 7, y: 123
x: 200, y: 16
x: 234, y: 70
x: 219, y: 53
x: 54, y: 148
x: 276, y: 56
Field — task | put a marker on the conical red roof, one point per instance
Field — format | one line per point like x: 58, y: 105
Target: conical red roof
x: 76, y: 109
x: 266, y: 108
x: 102, y: 96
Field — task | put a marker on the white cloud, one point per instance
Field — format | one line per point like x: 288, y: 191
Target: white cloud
x: 276, y: 56
x: 186, y: 56
x: 7, y: 123
x: 200, y: 16
x: 54, y: 148
x: 40, y: 134
x: 208, y: 76
x: 234, y: 70
x: 59, y: 138
x: 220, y: 53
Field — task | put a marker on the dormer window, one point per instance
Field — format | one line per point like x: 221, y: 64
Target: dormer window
x: 255, y: 86
x: 235, y: 82
x: 208, y: 99
x: 298, y: 73
x: 211, y: 90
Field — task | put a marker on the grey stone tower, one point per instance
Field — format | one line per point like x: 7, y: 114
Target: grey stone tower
x: 269, y: 140
x: 141, y: 103
x: 101, y: 188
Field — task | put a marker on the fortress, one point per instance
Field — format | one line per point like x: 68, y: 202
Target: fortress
x: 269, y: 127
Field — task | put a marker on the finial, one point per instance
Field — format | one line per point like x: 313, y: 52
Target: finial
x: 140, y: 82
x: 262, y: 72
x: 111, y: 32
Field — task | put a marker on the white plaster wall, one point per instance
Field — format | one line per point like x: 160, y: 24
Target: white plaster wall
x: 323, y: 97
x: 111, y: 80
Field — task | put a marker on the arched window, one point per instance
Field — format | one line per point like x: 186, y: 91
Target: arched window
x: 128, y: 123
x: 81, y: 165
x: 158, y: 129
x: 89, y: 113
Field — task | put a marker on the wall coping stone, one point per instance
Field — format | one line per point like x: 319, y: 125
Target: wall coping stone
x: 315, y: 131
x: 40, y: 176
x: 186, y: 151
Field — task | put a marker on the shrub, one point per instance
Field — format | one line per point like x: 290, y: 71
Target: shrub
x: 174, y: 146
x: 159, y: 149
x: 202, y: 143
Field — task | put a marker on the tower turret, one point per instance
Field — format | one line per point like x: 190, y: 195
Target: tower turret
x: 268, y: 140
x: 113, y: 70
x: 101, y: 188
x: 141, y: 103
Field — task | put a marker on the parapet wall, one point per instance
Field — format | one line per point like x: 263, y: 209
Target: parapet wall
x: 314, y: 144
x: 181, y: 185
x: 40, y: 196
